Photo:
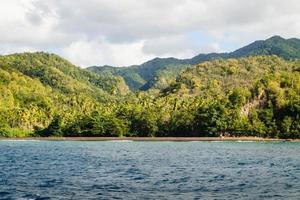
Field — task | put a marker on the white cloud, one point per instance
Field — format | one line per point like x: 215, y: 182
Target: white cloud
x: 170, y: 45
x: 124, y: 32
x: 87, y: 53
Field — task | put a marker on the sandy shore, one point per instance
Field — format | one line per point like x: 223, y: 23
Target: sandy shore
x: 175, y: 139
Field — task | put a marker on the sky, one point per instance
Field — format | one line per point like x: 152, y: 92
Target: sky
x: 127, y: 32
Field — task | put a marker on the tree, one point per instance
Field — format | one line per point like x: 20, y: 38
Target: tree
x: 54, y: 128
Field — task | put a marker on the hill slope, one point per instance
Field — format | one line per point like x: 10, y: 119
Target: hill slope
x: 224, y: 75
x: 60, y: 74
x: 151, y: 74
x: 253, y: 96
x: 35, y: 87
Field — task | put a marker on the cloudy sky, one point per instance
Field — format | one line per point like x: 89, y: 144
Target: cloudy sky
x: 125, y: 32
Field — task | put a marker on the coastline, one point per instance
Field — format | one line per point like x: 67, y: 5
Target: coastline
x: 153, y: 139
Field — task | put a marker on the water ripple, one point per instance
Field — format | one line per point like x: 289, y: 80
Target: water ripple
x: 149, y: 170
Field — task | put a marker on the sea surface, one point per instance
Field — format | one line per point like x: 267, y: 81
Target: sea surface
x: 149, y: 170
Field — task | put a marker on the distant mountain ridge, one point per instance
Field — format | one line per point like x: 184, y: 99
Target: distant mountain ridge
x: 148, y: 74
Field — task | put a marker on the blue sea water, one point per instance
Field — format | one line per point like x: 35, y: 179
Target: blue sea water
x: 149, y: 170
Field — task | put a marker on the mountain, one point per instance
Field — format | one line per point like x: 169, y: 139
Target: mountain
x: 276, y: 45
x: 151, y: 74
x: 58, y: 73
x: 43, y: 94
x: 224, y: 75
x: 138, y: 75
x: 35, y: 87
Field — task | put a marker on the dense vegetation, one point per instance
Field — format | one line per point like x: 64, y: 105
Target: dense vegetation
x: 36, y: 87
x: 44, y: 95
x: 152, y: 74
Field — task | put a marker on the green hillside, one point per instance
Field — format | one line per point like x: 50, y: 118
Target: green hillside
x: 44, y: 95
x: 60, y: 74
x: 276, y: 45
x: 35, y: 87
x: 254, y: 96
x: 226, y: 74
x: 138, y: 75
x: 151, y: 74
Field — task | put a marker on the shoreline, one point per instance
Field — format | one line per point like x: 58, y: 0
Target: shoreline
x: 153, y: 139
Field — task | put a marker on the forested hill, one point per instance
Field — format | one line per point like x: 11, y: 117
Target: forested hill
x: 35, y: 87
x: 158, y: 72
x: 59, y: 74
x: 44, y: 95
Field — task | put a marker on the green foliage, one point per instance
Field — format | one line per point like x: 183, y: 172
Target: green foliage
x: 59, y: 74
x: 276, y: 45
x: 239, y: 97
x: 211, y: 117
x: 248, y: 71
x: 44, y: 95
x: 97, y: 125
x: 159, y: 72
x: 54, y: 128
x: 6, y: 131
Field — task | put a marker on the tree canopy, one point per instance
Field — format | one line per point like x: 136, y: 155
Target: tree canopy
x: 44, y: 95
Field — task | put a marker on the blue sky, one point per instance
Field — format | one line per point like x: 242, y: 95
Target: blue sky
x: 127, y: 32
